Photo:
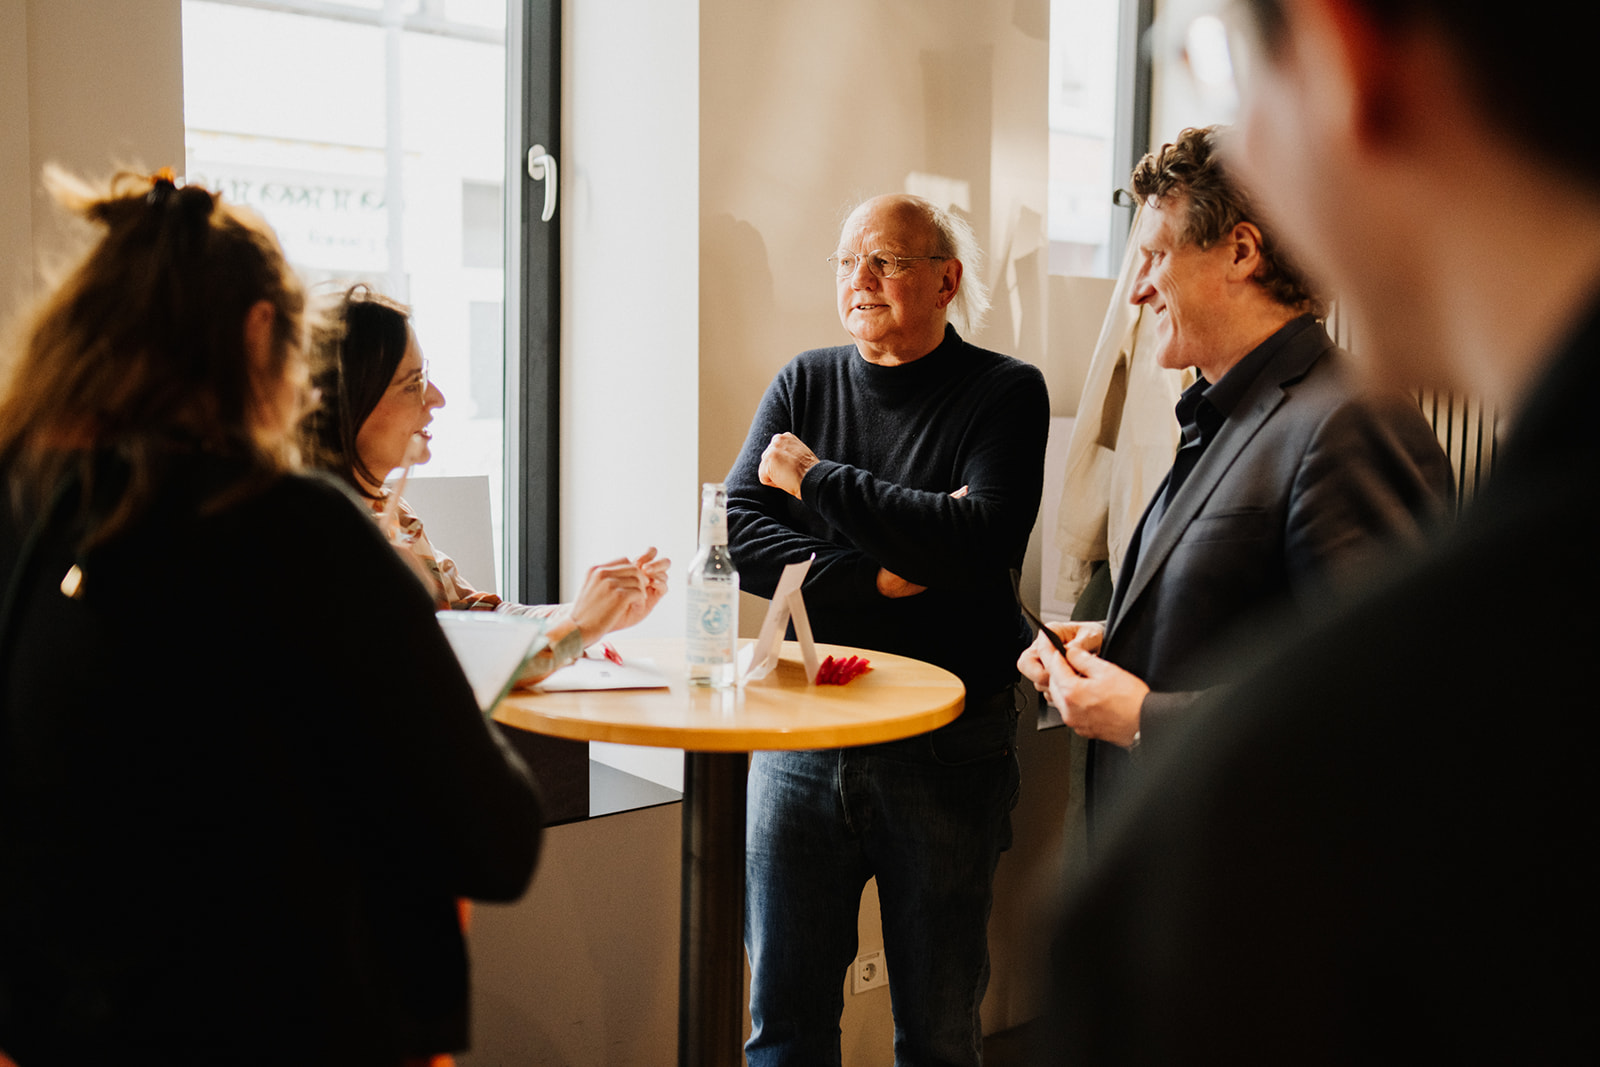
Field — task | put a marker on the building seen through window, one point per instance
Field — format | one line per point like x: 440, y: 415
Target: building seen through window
x: 371, y: 135
x: 1083, y: 116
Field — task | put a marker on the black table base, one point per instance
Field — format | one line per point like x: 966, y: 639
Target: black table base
x: 711, y: 963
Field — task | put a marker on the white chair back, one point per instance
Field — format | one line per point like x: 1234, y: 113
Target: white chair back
x: 455, y: 512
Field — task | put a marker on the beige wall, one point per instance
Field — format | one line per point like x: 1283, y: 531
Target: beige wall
x: 807, y: 108
x: 583, y: 971
x: 16, y: 214
x: 91, y: 85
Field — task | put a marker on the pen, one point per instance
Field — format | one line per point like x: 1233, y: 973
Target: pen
x: 1016, y: 588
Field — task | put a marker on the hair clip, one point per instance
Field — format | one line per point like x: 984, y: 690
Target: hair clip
x: 162, y: 185
x: 72, y: 582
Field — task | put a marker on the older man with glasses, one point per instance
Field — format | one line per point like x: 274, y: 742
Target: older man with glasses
x: 910, y: 462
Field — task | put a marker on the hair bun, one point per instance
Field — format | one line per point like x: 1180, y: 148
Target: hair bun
x: 163, y: 186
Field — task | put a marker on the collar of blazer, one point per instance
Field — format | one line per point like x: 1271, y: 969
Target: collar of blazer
x: 1300, y: 352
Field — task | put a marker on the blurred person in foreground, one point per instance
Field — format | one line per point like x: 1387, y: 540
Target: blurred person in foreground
x: 236, y: 809
x: 1294, y: 479
x: 911, y: 463
x: 1375, y: 849
x: 377, y: 403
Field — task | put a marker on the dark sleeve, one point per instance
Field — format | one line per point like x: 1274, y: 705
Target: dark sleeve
x: 1372, y: 477
x: 438, y: 791
x: 1160, y: 712
x: 767, y: 528
x: 930, y: 537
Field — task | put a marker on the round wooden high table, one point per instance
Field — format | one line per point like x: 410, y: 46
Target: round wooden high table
x: 717, y: 729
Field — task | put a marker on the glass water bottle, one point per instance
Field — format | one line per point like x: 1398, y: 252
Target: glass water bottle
x: 713, y: 585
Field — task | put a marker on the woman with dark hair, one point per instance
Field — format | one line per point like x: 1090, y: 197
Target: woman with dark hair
x: 377, y: 404
x: 235, y: 812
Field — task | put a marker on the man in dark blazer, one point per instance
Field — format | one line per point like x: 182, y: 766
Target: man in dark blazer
x: 1291, y: 473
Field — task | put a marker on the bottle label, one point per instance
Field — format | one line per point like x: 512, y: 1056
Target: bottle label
x: 713, y: 621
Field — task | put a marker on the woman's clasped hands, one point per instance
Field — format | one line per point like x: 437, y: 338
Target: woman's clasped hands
x: 618, y: 594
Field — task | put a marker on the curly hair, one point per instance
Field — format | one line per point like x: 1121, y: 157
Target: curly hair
x: 1191, y: 171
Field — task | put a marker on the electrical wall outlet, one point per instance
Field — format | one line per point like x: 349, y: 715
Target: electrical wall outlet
x: 868, y: 972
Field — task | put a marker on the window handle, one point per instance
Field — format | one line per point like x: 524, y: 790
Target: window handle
x: 542, y: 167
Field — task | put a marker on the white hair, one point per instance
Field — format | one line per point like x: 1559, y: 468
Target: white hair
x: 956, y: 240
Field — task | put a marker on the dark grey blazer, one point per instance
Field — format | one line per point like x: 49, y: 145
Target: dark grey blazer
x: 1311, y: 474
x: 1379, y: 847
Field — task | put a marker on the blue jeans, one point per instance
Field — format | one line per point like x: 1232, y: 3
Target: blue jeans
x: 928, y: 817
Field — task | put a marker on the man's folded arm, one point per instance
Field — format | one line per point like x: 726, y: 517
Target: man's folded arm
x: 763, y: 544
x: 933, y: 537
x: 763, y: 534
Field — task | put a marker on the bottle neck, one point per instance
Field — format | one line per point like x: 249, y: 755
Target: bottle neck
x: 713, y: 520
x: 714, y: 530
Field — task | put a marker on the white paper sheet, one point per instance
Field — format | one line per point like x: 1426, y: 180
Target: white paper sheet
x: 592, y: 673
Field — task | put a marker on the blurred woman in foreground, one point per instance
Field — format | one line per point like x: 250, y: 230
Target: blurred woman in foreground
x: 235, y: 808
x: 377, y: 404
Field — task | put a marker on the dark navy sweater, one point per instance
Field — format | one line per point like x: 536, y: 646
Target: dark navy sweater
x: 894, y: 443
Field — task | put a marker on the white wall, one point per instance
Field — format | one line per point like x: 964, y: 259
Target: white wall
x: 629, y: 317
x: 629, y: 250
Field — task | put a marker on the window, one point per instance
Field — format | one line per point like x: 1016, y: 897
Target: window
x: 482, y: 225
x: 486, y: 352
x: 371, y: 134
x: 1084, y: 165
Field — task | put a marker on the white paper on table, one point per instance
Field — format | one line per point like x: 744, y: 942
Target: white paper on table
x: 757, y: 661
x: 598, y: 673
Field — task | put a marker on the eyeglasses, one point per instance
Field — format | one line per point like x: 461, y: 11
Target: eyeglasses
x: 416, y: 382
x: 881, y: 263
